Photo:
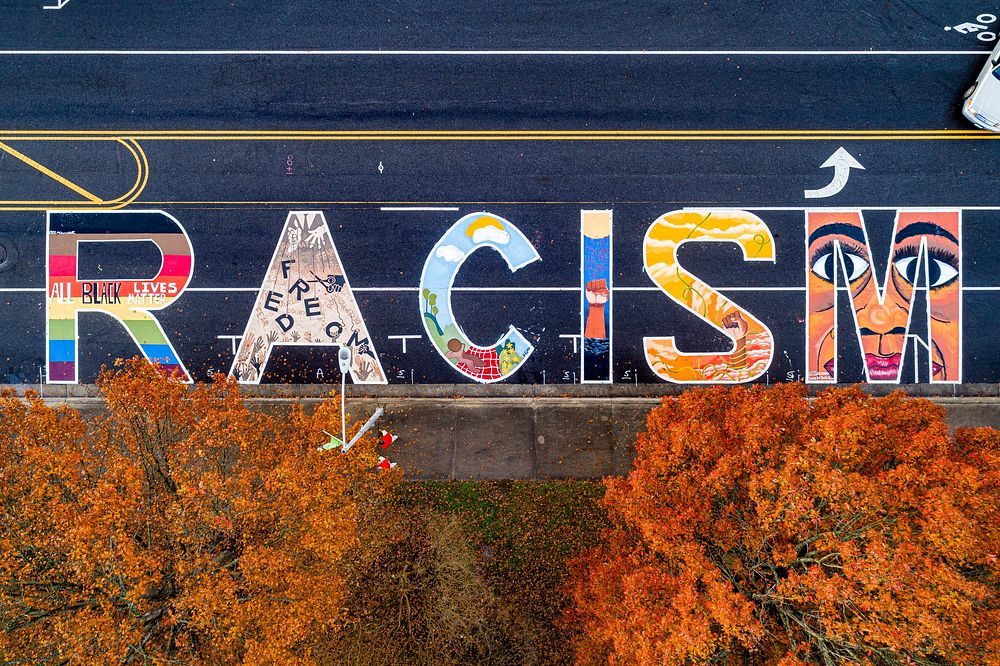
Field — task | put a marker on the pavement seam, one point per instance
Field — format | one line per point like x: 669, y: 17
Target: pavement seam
x: 534, y: 441
x: 454, y: 439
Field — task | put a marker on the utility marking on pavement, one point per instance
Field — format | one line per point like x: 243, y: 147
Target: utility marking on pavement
x: 486, y: 52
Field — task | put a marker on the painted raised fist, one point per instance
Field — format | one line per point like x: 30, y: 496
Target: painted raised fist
x: 735, y: 325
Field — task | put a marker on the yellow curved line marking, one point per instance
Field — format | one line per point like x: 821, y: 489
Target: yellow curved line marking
x: 141, y: 176
x: 94, y: 202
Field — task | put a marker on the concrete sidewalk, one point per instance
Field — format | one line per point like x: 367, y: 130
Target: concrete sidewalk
x: 545, y: 438
x: 450, y: 434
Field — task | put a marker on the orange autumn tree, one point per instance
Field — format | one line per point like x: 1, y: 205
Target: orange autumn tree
x: 179, y: 527
x: 757, y: 527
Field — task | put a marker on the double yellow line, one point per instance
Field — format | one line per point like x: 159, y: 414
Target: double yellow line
x: 130, y: 141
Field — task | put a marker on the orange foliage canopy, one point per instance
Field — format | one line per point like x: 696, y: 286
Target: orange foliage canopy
x: 180, y: 526
x: 759, y: 527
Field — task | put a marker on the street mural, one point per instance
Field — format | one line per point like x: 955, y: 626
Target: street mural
x: 490, y: 363
x: 131, y: 302
x: 925, y: 249
x: 595, y: 267
x: 305, y: 299
x: 557, y: 294
x: 752, y: 342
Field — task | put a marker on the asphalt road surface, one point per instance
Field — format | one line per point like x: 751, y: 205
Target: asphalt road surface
x: 396, y: 122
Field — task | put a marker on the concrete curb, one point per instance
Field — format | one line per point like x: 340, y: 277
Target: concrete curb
x: 517, y: 390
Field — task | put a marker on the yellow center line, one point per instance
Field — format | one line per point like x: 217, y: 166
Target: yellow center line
x: 158, y: 132
x: 50, y: 173
x: 129, y: 139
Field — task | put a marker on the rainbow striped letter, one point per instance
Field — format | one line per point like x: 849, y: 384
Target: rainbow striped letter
x: 129, y: 301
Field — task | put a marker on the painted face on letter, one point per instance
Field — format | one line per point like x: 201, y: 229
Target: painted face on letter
x: 883, y: 323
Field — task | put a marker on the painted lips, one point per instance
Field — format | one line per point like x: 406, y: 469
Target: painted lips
x: 887, y: 367
x: 884, y: 367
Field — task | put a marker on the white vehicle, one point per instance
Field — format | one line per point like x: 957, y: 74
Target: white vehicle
x: 982, y: 100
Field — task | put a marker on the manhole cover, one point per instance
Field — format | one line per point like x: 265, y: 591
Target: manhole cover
x: 8, y: 254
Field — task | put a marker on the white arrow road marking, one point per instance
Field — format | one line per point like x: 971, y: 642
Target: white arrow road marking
x: 59, y: 5
x: 842, y: 163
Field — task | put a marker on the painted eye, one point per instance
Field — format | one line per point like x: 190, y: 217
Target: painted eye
x: 941, y: 273
x: 907, y: 269
x: 854, y: 265
x: 823, y: 266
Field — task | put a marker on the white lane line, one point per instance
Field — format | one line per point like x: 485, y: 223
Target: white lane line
x: 232, y: 338
x: 469, y: 289
x: 486, y: 52
x: 934, y: 207
x: 497, y: 289
x: 404, y: 338
x: 575, y: 337
x: 515, y: 289
x: 718, y: 288
x: 418, y: 208
x: 374, y: 289
x: 472, y: 289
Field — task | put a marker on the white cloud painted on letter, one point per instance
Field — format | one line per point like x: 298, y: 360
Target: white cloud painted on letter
x: 449, y: 253
x: 490, y: 234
